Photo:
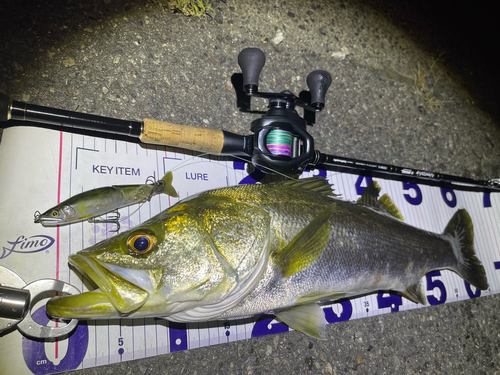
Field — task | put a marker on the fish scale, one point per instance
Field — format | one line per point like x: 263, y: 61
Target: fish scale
x: 277, y: 248
x: 351, y: 263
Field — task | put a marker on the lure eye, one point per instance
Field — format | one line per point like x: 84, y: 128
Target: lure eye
x: 141, y: 243
x: 55, y: 213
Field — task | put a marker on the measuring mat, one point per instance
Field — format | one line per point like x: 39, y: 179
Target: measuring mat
x: 41, y: 168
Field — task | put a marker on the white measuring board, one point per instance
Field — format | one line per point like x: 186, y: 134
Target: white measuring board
x: 41, y: 167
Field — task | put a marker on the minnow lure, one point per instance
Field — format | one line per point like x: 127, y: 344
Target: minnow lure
x: 91, y: 204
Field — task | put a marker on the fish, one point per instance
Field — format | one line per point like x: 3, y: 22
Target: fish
x: 91, y: 204
x: 280, y: 249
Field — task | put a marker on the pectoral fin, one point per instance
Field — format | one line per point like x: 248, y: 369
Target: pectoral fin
x: 307, y: 246
x: 309, y: 319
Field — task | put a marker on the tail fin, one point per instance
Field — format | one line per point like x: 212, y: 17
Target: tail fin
x: 168, y: 188
x: 461, y: 229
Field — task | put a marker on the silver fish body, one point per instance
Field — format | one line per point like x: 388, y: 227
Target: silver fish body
x: 253, y: 249
x: 366, y: 252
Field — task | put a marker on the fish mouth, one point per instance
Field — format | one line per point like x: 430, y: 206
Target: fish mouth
x: 116, y: 296
x: 48, y: 221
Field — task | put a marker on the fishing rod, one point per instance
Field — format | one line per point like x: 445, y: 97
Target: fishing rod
x: 279, y: 143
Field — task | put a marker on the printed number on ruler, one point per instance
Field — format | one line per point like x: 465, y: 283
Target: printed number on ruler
x: 45, y: 358
x: 178, y: 336
x: 472, y: 293
x: 366, y: 305
x: 391, y: 300
x: 120, y: 344
x: 414, y: 200
x: 263, y: 326
x: 359, y: 182
x: 449, y: 197
x: 435, y: 285
x: 338, y: 312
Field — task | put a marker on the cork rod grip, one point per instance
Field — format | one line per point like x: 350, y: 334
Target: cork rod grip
x: 183, y: 136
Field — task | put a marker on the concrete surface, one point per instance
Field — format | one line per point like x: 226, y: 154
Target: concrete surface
x: 413, y: 85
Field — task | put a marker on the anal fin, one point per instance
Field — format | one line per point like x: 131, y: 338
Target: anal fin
x: 309, y: 319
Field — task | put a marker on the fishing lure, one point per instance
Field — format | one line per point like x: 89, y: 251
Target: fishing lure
x: 91, y: 204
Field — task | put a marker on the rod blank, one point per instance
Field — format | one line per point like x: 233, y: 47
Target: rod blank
x: 52, y: 116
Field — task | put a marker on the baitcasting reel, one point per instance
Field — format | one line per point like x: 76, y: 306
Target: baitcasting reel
x: 281, y: 141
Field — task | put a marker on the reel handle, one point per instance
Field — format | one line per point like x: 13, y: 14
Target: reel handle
x: 318, y: 82
x: 251, y: 62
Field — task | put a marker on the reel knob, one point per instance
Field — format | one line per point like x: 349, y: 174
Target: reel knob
x: 318, y: 82
x: 251, y: 62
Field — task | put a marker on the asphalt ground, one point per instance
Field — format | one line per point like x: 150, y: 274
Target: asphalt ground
x: 413, y: 85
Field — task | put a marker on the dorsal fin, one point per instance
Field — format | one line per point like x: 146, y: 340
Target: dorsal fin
x: 384, y: 204
x: 317, y: 184
x: 391, y: 207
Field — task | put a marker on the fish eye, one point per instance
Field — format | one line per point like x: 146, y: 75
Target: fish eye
x: 55, y: 213
x: 141, y: 242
